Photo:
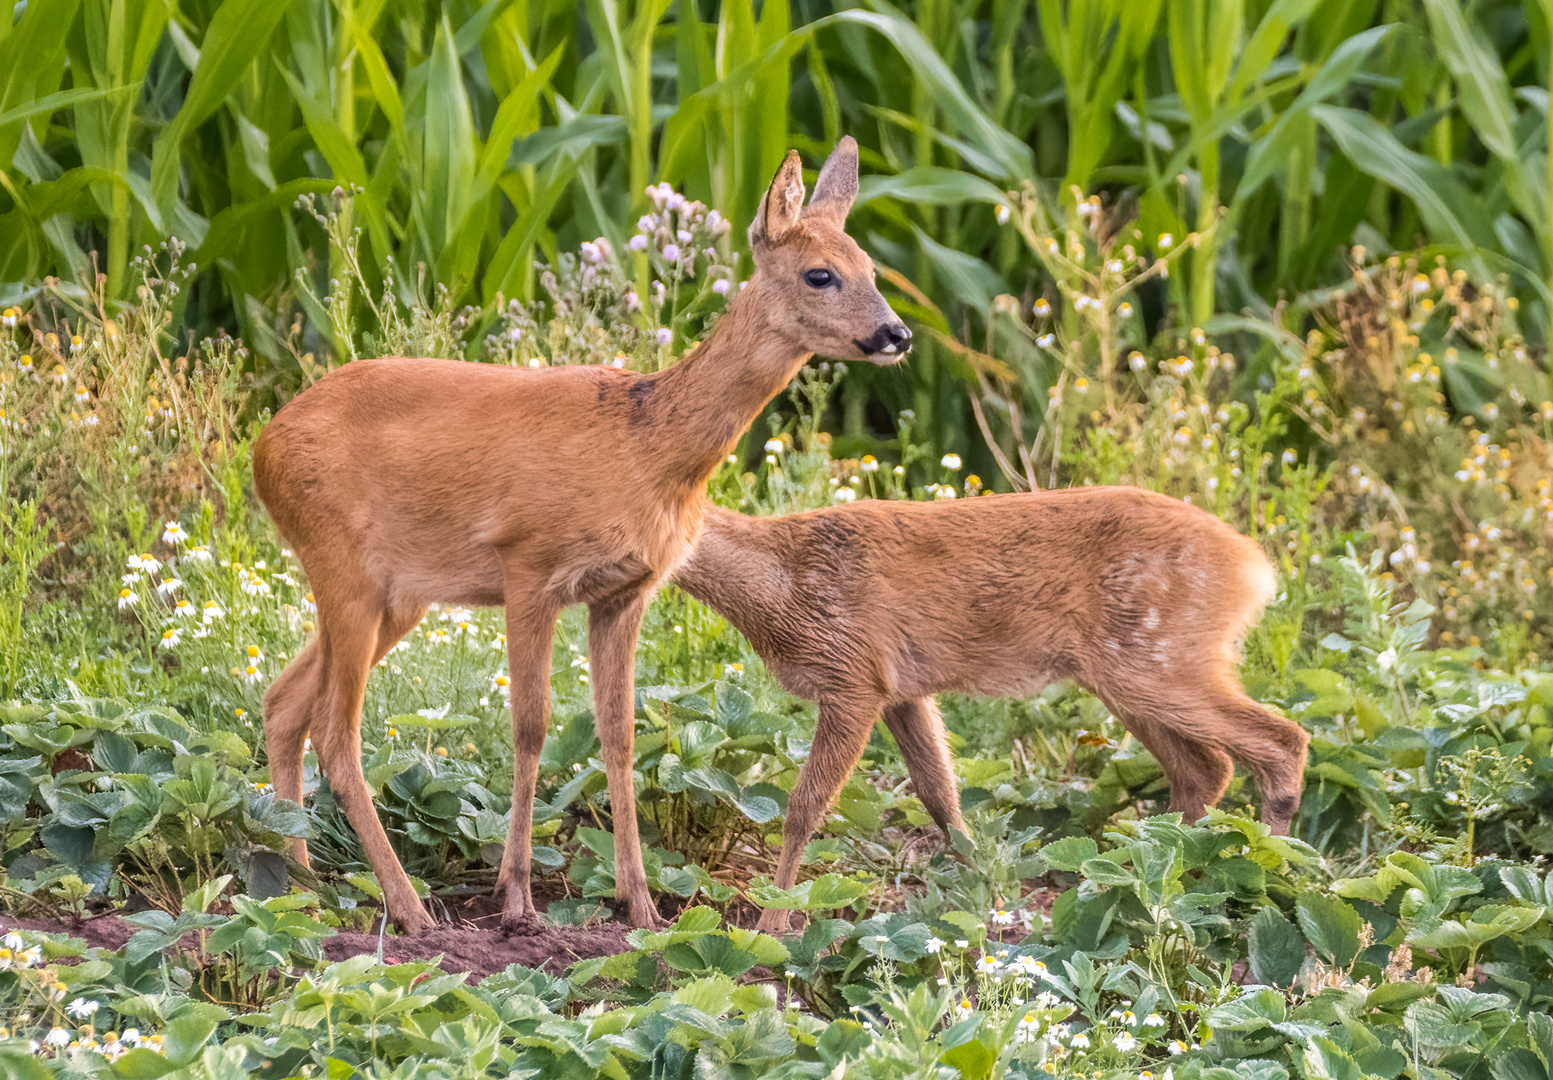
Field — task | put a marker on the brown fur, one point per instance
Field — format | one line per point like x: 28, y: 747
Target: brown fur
x: 1137, y: 597
x: 403, y: 482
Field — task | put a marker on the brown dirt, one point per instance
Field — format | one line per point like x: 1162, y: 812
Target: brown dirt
x: 482, y: 950
x: 473, y: 945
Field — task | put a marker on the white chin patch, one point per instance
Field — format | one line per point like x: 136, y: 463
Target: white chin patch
x: 888, y: 349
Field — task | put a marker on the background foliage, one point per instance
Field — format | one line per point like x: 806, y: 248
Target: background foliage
x: 479, y: 137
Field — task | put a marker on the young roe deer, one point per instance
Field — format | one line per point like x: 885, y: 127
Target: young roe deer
x: 872, y: 606
x: 403, y: 482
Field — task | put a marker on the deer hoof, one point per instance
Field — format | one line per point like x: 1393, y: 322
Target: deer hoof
x: 521, y: 924
x: 413, y: 922
x: 773, y: 921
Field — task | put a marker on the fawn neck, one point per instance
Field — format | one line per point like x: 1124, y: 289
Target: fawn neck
x: 705, y: 402
x: 732, y: 571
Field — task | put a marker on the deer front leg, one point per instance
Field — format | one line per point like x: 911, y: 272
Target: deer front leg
x: 612, y: 630
x: 919, y: 732
x: 839, y: 737
x: 530, y: 627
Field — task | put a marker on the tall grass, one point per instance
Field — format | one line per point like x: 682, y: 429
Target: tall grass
x: 477, y: 137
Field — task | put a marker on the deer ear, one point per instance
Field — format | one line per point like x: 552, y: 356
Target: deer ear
x: 837, y: 184
x: 781, y: 205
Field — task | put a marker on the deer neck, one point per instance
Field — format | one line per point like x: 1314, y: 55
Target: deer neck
x: 704, y: 403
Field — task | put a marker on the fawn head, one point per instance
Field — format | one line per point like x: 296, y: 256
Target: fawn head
x: 819, y: 283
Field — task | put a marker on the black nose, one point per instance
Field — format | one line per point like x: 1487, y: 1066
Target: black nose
x: 893, y: 339
x: 890, y: 340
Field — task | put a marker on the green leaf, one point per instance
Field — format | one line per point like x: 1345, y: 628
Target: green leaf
x: 929, y: 185
x: 238, y: 33
x: 1276, y: 949
x: 819, y: 894
x: 1338, y: 71
x: 1451, y: 215
x: 1331, y: 926
x: 973, y: 1058
x: 1069, y: 853
x: 1325, y: 1060
x: 970, y: 279
x: 1484, y: 92
x: 185, y: 1037
x: 141, y: 1064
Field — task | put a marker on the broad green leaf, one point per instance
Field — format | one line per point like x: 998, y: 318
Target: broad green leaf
x: 1275, y: 948
x: 1331, y: 926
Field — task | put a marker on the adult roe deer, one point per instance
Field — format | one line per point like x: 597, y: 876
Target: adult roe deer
x: 1137, y: 597
x: 402, y: 482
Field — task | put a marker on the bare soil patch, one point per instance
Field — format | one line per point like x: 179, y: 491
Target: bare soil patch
x: 470, y: 943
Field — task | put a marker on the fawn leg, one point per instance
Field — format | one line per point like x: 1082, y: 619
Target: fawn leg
x: 288, y: 716
x: 919, y: 732
x: 1272, y: 749
x: 347, y: 639
x: 530, y: 627
x: 1172, y: 727
x: 839, y: 738
x: 613, y: 625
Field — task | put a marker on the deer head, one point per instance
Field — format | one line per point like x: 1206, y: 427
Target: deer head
x: 819, y: 285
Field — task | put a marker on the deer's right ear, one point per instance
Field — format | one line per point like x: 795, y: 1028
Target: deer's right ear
x: 781, y: 205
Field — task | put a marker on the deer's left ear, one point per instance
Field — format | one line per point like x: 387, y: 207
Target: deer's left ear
x: 836, y: 186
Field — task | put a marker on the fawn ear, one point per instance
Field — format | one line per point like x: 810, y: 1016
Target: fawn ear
x: 781, y: 205
x: 837, y: 184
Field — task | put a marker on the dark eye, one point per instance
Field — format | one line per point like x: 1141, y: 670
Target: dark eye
x: 818, y: 278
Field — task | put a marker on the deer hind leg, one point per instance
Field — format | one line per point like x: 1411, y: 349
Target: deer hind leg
x: 530, y: 628
x: 919, y: 732
x: 288, y: 717
x: 613, y: 626
x: 839, y: 738
x: 288, y: 712
x: 1272, y: 749
x: 348, y: 641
